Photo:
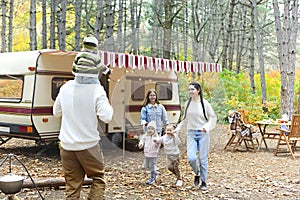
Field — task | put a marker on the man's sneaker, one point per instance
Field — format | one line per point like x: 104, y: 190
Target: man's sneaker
x: 179, y: 183
x: 203, y: 186
x: 150, y: 181
x: 196, y: 180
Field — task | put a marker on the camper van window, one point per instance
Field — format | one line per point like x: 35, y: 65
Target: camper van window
x: 137, y: 90
x: 11, y: 88
x: 164, y: 90
x: 57, y: 82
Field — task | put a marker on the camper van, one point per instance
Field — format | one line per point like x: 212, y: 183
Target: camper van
x: 30, y: 82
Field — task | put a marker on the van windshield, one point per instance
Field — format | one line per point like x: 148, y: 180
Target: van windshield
x: 11, y: 88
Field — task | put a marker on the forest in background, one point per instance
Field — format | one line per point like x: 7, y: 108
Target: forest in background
x: 230, y: 91
x: 251, y: 39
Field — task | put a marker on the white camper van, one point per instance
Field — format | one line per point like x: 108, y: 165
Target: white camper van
x: 30, y: 81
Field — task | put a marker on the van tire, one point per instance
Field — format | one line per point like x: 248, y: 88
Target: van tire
x: 117, y: 139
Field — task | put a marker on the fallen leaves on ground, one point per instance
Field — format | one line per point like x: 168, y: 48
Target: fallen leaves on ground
x: 232, y: 175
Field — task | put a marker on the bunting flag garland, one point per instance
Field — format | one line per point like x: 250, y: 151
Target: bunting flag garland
x: 159, y: 64
x: 122, y: 60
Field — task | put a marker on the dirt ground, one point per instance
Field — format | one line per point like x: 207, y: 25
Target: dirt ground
x: 232, y: 175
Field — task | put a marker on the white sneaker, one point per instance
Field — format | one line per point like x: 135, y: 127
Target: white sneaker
x: 179, y: 183
x: 156, y: 174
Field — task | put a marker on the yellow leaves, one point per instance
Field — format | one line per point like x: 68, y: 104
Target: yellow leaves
x: 231, y: 175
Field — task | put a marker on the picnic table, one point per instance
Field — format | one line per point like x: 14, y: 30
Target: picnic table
x: 267, y: 133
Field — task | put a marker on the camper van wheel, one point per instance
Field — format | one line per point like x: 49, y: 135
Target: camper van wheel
x: 116, y: 139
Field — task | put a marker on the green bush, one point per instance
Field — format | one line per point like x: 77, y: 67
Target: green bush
x: 230, y: 91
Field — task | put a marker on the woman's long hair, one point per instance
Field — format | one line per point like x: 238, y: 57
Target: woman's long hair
x: 198, y: 87
x: 147, y: 100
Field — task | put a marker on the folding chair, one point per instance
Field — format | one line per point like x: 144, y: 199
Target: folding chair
x: 289, y: 137
x: 235, y: 139
x: 250, y: 137
x: 241, y: 132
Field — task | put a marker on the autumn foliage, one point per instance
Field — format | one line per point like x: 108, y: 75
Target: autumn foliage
x: 230, y: 91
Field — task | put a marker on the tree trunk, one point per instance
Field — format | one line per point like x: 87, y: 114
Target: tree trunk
x: 135, y: 20
x: 3, y: 27
x: 198, y: 24
x: 231, y: 47
x: 62, y: 25
x: 132, y: 24
x: 285, y: 55
x: 259, y: 44
x: 251, y: 53
x: 214, y: 38
x: 53, y: 9
x: 167, y: 42
x: 194, y: 28
x: 224, y: 38
x: 120, y: 40
x: 155, y: 29
x: 279, y: 32
x: 32, y: 27
x: 175, y: 44
x: 10, y: 29
x: 99, y: 19
x: 44, y: 24
x: 88, y: 8
x: 109, y: 41
x: 138, y: 24
x: 186, y: 31
x: 169, y: 16
x: 286, y: 40
x: 78, y: 5
x: 125, y: 25
x: 229, y: 36
x: 242, y: 38
x: 294, y: 9
x: 160, y: 32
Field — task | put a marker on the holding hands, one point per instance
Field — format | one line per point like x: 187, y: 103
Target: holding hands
x: 141, y: 145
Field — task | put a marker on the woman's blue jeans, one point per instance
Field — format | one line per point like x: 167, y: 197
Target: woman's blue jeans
x: 197, y: 152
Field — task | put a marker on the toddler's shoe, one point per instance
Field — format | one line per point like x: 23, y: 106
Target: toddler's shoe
x: 179, y: 183
x: 203, y: 186
x: 150, y: 181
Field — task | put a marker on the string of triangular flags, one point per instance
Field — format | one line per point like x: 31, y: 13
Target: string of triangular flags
x: 158, y: 64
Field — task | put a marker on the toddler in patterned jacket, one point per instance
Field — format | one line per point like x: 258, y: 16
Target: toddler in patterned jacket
x: 151, y: 150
